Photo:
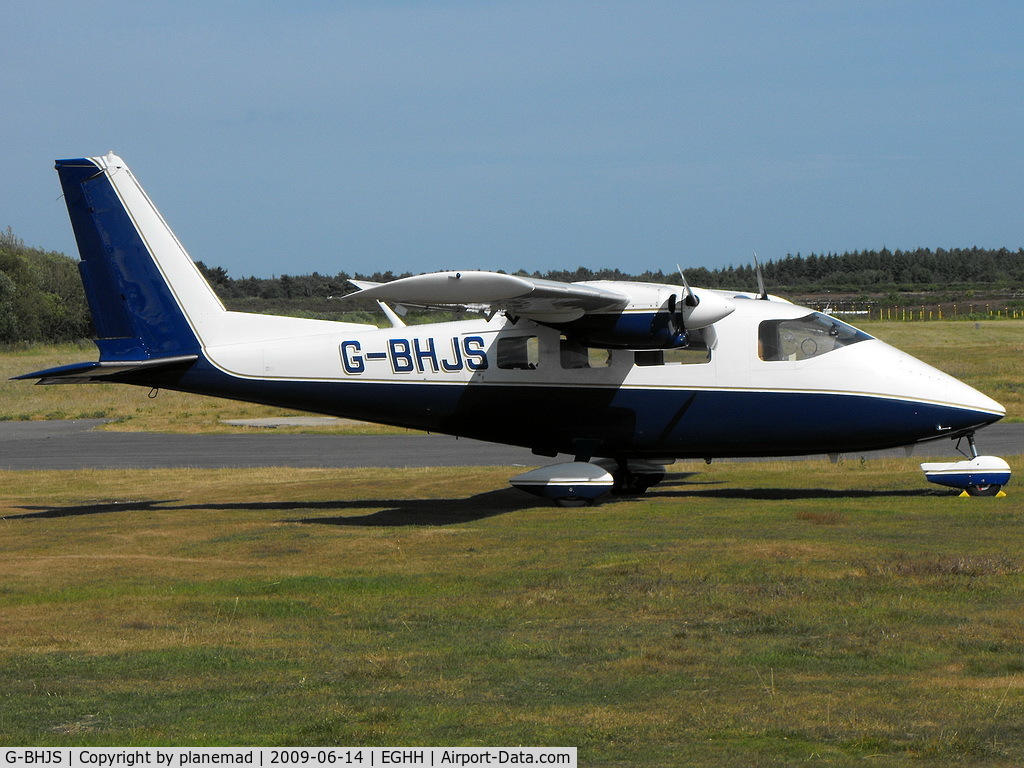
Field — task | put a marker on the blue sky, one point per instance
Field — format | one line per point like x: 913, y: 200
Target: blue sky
x: 415, y: 136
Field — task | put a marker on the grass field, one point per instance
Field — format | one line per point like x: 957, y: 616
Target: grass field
x: 987, y: 355
x: 750, y: 614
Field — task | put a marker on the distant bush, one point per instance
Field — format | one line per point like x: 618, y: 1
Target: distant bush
x: 41, y: 295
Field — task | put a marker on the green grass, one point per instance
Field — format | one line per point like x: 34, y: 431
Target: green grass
x: 755, y: 613
x: 987, y: 355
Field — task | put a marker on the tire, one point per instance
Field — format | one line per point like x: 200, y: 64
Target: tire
x: 635, y: 483
x: 574, y: 502
x: 983, y: 490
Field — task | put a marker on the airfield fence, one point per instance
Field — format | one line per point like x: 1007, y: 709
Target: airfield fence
x: 919, y: 312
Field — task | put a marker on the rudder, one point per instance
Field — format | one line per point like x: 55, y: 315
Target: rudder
x: 145, y: 293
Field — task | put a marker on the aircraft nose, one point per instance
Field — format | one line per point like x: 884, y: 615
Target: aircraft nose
x: 963, y: 407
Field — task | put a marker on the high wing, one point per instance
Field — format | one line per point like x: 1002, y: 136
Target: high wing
x: 545, y: 301
x: 603, y: 313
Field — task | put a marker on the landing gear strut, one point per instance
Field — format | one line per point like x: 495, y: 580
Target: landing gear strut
x: 633, y: 478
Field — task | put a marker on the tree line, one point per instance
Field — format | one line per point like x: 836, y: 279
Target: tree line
x: 883, y: 271
x: 42, y: 300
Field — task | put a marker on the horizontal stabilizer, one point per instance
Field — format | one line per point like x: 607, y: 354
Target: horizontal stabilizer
x: 82, y: 373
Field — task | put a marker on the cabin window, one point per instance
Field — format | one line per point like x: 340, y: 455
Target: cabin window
x: 804, y: 338
x: 518, y: 352
x: 695, y: 354
x: 574, y: 355
x: 647, y: 357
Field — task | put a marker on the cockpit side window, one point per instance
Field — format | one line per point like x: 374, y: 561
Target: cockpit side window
x: 804, y: 338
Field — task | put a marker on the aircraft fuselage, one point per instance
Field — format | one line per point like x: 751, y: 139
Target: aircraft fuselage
x: 525, y: 383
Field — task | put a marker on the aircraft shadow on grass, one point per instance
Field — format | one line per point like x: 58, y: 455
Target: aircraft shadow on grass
x: 431, y: 512
x: 440, y: 512
x: 98, y: 508
x: 388, y: 512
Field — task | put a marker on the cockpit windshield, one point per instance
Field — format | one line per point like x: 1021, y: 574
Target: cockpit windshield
x: 804, y: 338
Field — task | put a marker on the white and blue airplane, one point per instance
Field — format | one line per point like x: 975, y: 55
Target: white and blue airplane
x: 622, y: 377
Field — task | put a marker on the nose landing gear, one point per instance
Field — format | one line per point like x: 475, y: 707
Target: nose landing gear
x: 976, y: 476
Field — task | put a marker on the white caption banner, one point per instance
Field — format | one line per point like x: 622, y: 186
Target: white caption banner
x: 277, y: 757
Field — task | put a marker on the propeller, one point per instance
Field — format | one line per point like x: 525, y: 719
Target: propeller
x: 676, y: 324
x: 676, y: 306
x: 688, y: 311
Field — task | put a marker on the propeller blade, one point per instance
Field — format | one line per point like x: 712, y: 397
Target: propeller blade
x: 760, y: 280
x: 689, y: 297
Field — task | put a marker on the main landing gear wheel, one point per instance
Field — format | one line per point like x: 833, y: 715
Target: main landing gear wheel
x: 990, y: 489
x: 634, y: 483
x: 632, y: 477
x: 574, y: 502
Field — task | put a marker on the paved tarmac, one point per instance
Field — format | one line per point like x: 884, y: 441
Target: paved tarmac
x: 56, y: 445
x: 78, y: 445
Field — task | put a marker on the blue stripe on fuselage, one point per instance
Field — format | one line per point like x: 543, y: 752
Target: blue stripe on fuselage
x: 621, y: 421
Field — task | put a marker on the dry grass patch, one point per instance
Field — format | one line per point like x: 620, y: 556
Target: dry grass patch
x: 946, y: 565
x: 821, y: 518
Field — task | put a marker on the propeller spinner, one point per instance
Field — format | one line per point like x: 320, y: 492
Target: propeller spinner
x: 698, y: 310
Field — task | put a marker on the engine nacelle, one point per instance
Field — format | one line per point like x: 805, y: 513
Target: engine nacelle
x: 628, y: 330
x: 658, y: 317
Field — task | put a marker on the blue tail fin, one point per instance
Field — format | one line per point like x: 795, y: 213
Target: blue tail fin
x: 130, y: 261
x: 154, y: 312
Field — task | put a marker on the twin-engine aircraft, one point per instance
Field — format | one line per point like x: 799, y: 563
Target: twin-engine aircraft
x: 621, y: 377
